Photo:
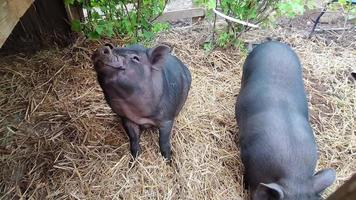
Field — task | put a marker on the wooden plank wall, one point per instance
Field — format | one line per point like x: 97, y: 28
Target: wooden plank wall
x: 45, y: 24
x: 10, y: 13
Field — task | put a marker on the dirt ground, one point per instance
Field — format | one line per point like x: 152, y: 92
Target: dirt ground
x: 60, y: 140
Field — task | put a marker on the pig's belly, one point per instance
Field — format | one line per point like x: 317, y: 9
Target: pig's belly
x: 135, y: 117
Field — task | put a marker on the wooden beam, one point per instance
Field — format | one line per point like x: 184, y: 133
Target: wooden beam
x: 74, y: 12
x: 181, y: 14
x: 44, y: 24
x: 346, y: 192
x: 10, y: 13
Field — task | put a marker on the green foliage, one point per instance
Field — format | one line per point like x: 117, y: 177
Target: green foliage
x: 122, y: 18
x: 224, y: 39
x: 76, y: 26
x: 292, y: 8
x: 240, y: 45
x: 345, y: 5
x: 253, y: 11
x: 158, y: 27
x: 69, y: 1
x: 342, y: 2
x: 353, y: 11
x: 262, y: 12
x: 208, y: 47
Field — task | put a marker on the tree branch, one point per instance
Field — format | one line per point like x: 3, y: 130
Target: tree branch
x: 235, y: 20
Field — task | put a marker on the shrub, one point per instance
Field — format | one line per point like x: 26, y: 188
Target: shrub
x: 252, y: 11
x: 121, y: 18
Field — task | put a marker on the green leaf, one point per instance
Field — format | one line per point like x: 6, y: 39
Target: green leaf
x: 353, y: 11
x: 68, y: 2
x: 93, y: 35
x: 208, y: 47
x: 95, y: 15
x: 99, y: 29
x: 158, y: 27
x: 109, y: 29
x: 148, y: 35
x: 223, y: 39
x: 211, y: 4
x: 291, y: 8
x: 311, y: 4
x: 76, y: 26
x: 298, y: 8
x: 342, y: 2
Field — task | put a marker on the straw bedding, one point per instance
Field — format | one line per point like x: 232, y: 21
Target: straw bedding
x: 60, y: 140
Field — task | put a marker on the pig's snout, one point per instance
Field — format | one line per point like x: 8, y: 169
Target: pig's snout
x: 101, y: 52
x: 104, y: 56
x: 105, y: 50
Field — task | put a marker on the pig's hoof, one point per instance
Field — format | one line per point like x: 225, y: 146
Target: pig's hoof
x: 135, y: 152
x: 167, y: 155
x: 168, y: 161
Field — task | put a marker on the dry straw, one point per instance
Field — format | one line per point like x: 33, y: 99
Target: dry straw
x: 60, y: 140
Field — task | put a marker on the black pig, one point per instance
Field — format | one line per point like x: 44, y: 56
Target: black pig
x: 278, y: 147
x: 145, y: 87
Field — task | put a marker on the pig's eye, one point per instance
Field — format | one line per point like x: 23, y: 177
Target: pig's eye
x: 135, y: 59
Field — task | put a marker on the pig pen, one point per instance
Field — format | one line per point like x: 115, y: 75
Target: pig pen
x: 60, y: 140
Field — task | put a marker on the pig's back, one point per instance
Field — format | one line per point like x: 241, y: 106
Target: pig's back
x: 272, y: 76
x: 177, y: 80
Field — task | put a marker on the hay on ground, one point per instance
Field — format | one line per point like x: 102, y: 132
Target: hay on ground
x: 60, y: 140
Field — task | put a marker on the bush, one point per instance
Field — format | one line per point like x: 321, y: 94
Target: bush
x: 120, y: 18
x: 252, y: 11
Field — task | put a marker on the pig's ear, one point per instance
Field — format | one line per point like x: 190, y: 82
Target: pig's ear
x: 268, y: 191
x: 323, y: 179
x: 353, y: 74
x: 157, y: 55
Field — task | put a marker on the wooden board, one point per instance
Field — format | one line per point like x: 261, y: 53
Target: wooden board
x: 181, y: 14
x: 346, y: 192
x: 45, y: 24
x: 10, y: 13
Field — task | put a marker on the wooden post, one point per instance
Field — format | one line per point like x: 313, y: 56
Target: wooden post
x: 44, y: 24
x: 346, y: 192
x: 75, y: 12
x: 10, y: 13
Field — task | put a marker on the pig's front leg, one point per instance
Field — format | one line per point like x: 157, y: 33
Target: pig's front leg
x: 164, y: 139
x: 133, y: 131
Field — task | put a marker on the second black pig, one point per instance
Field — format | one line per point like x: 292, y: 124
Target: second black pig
x: 278, y: 147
